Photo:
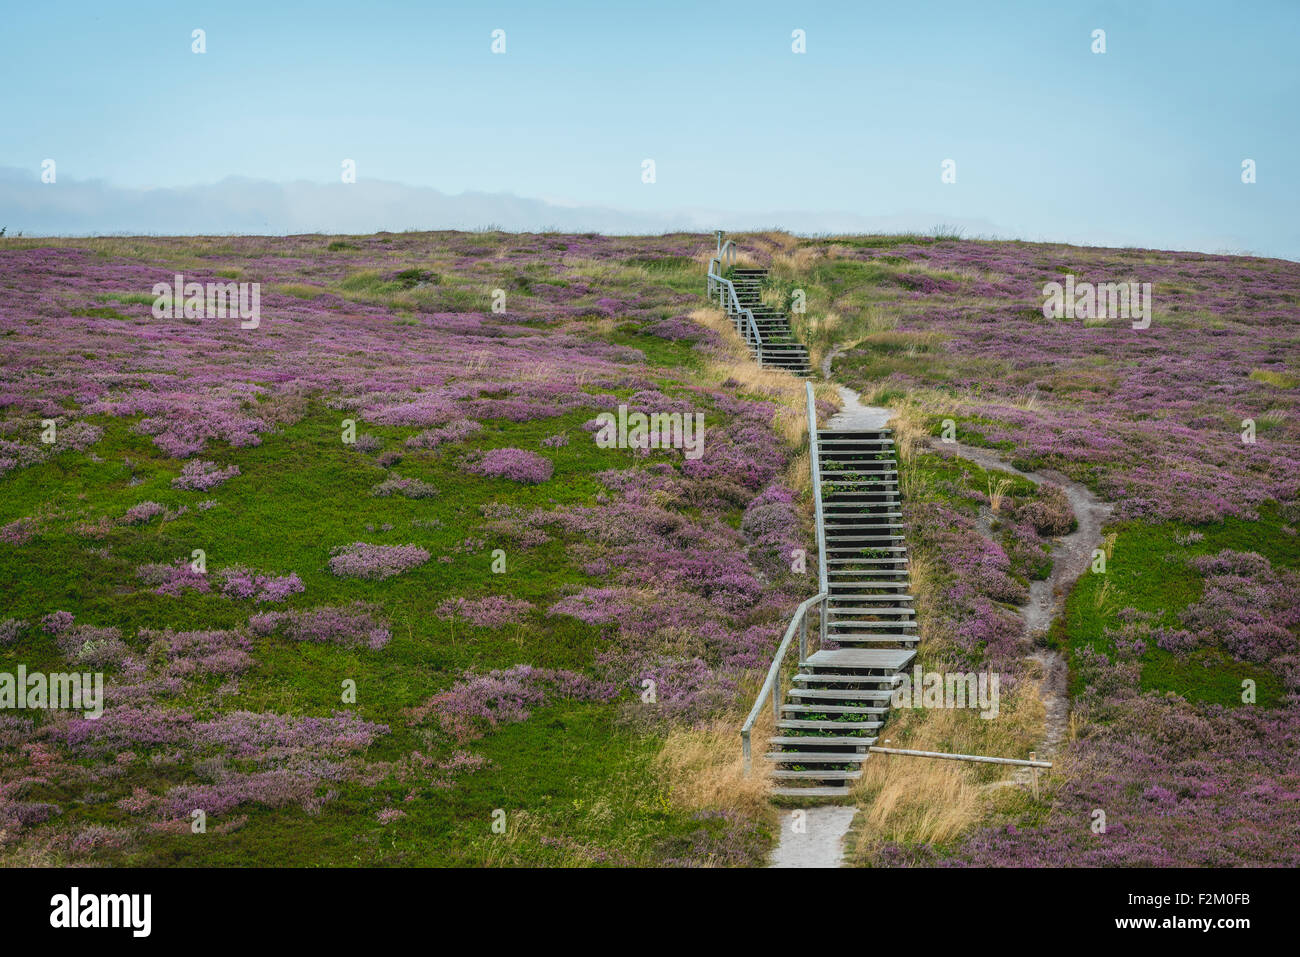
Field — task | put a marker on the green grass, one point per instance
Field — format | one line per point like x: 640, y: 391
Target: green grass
x: 576, y: 782
x: 576, y: 789
x: 102, y: 312
x: 1149, y: 571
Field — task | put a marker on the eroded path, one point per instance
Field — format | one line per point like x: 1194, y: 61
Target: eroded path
x: 1071, y: 557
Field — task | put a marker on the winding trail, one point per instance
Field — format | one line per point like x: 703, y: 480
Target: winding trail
x: 821, y: 841
x: 1071, y: 557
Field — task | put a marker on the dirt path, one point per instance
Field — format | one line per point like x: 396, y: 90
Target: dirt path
x: 1071, y: 557
x: 819, y: 842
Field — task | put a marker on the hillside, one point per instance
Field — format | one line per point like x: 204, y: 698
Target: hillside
x: 362, y: 584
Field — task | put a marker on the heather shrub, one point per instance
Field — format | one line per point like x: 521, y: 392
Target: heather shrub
x: 771, y: 526
x: 1050, y: 513
x: 405, y: 487
x: 93, y: 647
x: 99, y: 836
x: 241, y: 582
x: 213, y: 652
x: 453, y: 431
x: 1103, y: 680
x: 1178, y: 641
x: 490, y: 612
x: 56, y: 622
x: 1247, y: 607
x: 142, y: 513
x: 18, y: 531
x: 127, y: 727
x: 198, y: 476
x: 351, y: 626
x: 10, y: 629
x: 17, y: 815
x: 680, y: 329
x: 373, y: 562
x: 249, y: 734
x: 79, y: 436
x: 687, y: 687
x: 517, y: 465
x: 275, y: 788
x: 173, y: 579
x: 480, y: 703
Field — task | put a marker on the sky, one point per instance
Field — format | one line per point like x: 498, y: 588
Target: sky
x: 1141, y: 145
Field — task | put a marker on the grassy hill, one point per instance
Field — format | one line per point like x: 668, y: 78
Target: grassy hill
x: 429, y: 608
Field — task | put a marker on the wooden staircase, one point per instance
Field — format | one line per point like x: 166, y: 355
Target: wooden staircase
x: 840, y: 696
x: 780, y: 348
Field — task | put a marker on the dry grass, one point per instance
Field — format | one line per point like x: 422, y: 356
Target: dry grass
x: 798, y: 475
x: 776, y: 239
x: 743, y: 259
x: 832, y: 332
x: 1271, y: 418
x: 796, y: 262
x: 998, y: 492
x: 915, y: 800
x: 909, y: 425
x: 912, y: 800
x: 924, y: 583
x: 704, y: 770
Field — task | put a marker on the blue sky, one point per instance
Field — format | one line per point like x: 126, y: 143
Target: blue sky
x: 1141, y: 145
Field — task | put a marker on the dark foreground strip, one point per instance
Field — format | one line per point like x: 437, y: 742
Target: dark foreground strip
x: 583, y: 911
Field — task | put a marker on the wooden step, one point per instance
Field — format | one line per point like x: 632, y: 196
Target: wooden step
x: 889, y: 659
x: 806, y: 724
x: 827, y: 740
x: 856, y: 640
x: 847, y: 679
x: 834, y: 709
x: 817, y: 757
x: 833, y: 694
x: 823, y: 792
x: 850, y: 624
x: 879, y: 610
x: 783, y: 775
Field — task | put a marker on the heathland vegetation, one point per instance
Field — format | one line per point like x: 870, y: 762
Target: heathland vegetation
x: 365, y: 590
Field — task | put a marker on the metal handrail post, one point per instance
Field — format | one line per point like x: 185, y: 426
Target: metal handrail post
x: 772, y: 683
x: 815, y: 464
